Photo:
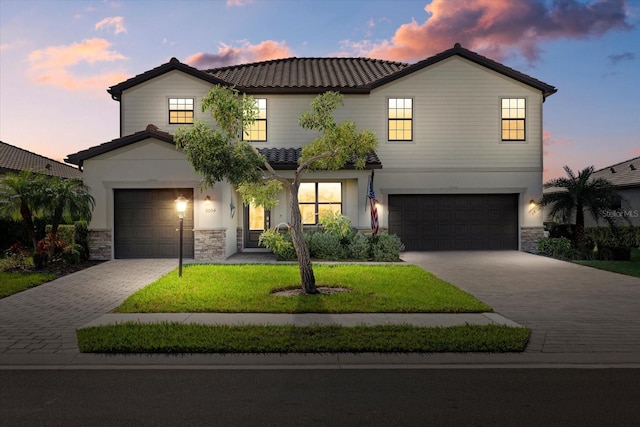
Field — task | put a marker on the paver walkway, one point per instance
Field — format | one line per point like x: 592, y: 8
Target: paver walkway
x: 44, y: 319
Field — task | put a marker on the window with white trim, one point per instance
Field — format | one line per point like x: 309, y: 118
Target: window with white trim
x: 513, y: 119
x: 400, y: 119
x: 181, y: 111
x: 257, y: 131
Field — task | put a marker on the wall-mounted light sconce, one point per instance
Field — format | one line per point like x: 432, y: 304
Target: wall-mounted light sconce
x: 232, y: 209
x: 532, y: 202
x: 207, y: 199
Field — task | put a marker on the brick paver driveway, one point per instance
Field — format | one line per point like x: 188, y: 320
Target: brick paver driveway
x: 44, y: 319
x: 570, y: 308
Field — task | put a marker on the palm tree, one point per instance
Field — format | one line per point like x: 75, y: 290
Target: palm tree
x: 21, y: 196
x: 576, y: 195
x: 69, y: 199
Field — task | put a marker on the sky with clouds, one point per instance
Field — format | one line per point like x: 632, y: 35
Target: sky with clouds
x: 57, y: 58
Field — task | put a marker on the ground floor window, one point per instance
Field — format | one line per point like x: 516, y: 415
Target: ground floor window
x: 316, y: 198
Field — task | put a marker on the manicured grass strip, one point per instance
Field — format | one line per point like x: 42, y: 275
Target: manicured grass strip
x: 630, y: 268
x: 12, y: 283
x: 248, y: 288
x: 168, y: 337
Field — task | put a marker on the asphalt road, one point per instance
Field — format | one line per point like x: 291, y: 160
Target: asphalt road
x: 439, y: 397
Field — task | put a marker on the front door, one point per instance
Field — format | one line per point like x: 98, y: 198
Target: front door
x: 256, y: 220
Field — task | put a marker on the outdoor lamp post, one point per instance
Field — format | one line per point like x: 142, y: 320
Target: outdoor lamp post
x: 181, y: 207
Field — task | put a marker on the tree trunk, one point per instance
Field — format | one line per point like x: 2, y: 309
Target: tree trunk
x: 579, y: 237
x: 28, y: 221
x: 307, y: 277
x: 55, y: 224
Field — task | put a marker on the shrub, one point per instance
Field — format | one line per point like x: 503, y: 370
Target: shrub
x: 325, y: 246
x: 386, y: 248
x: 14, y: 259
x: 66, y: 233
x: 557, y: 247
x: 337, y: 224
x: 360, y: 247
x: 614, y: 237
x: 279, y: 243
x: 82, y: 238
x: 71, y: 254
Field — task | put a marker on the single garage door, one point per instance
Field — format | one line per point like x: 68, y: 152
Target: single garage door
x: 440, y: 222
x: 145, y: 223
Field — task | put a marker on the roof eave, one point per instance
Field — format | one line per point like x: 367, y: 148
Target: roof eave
x: 174, y: 64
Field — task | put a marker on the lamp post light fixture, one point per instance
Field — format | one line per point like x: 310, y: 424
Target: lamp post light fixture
x: 181, y: 207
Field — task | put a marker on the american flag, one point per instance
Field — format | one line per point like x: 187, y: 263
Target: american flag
x: 374, y: 209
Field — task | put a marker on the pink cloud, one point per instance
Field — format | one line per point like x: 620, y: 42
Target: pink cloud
x: 52, y: 65
x: 635, y: 152
x: 229, y: 55
x: 553, y: 167
x: 114, y: 22
x: 497, y: 28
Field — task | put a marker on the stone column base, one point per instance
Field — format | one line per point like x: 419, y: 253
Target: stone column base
x: 209, y: 245
x: 529, y: 237
x: 100, y: 245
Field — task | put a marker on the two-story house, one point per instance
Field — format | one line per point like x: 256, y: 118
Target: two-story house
x: 458, y: 162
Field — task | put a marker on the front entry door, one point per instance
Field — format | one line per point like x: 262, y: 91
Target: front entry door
x: 256, y: 220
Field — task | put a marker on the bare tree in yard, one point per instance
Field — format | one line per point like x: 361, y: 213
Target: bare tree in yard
x: 218, y: 153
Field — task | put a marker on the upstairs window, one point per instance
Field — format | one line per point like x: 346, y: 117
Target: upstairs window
x: 513, y: 119
x: 400, y: 116
x: 316, y: 198
x: 257, y: 131
x: 180, y: 111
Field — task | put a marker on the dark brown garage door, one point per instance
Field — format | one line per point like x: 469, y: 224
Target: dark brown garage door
x: 440, y: 222
x: 145, y: 223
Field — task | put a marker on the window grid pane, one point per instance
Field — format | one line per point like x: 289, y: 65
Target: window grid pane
x: 400, y: 119
x: 315, y: 198
x: 513, y: 113
x: 181, y: 111
x: 257, y: 131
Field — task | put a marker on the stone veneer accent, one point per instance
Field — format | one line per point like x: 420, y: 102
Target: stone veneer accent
x: 209, y: 245
x: 529, y: 237
x: 239, y: 239
x: 100, y: 244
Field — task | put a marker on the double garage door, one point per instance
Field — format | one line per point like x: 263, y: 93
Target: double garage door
x: 146, y: 220
x: 440, y: 222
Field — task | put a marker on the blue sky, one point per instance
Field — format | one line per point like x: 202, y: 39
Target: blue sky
x: 57, y: 58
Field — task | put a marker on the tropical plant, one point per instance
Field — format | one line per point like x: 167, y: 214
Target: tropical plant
x: 219, y: 153
x: 21, y: 196
x: 67, y: 199
x: 576, y: 195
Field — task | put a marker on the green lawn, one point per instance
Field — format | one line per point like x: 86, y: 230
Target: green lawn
x: 248, y: 288
x: 11, y: 283
x: 630, y: 268
x: 192, y: 338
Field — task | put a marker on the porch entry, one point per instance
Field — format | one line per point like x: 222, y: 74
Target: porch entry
x: 256, y: 220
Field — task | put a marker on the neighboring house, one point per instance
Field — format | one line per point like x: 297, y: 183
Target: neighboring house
x: 459, y: 156
x: 626, y: 178
x: 14, y: 160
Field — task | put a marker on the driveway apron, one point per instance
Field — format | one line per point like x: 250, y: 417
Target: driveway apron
x: 570, y: 308
x: 44, y: 319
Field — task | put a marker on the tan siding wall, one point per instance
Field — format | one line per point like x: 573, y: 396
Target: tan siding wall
x: 147, y: 103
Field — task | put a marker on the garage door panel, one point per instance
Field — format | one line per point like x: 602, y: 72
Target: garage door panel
x: 455, y: 222
x: 145, y: 223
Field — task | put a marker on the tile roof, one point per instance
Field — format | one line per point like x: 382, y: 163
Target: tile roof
x: 279, y: 158
x: 317, y: 75
x: 287, y: 158
x: 623, y: 174
x: 15, y: 159
x: 151, y: 131
x: 308, y: 74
